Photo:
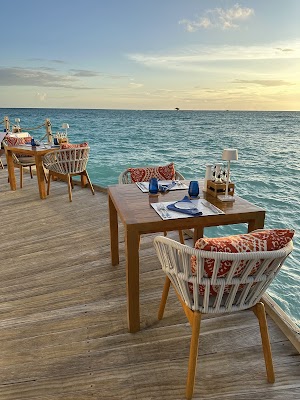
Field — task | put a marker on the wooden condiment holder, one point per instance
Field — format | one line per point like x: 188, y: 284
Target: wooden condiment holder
x: 215, y: 189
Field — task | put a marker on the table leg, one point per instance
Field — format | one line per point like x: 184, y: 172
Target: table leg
x: 11, y: 170
x: 114, y: 232
x: 40, y: 176
x: 84, y: 181
x: 257, y: 223
x: 198, y: 233
x: 132, y: 280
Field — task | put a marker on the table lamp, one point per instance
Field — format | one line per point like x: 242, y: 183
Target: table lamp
x: 66, y: 127
x: 228, y: 155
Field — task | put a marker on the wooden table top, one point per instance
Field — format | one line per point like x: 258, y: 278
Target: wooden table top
x: 29, y: 150
x: 134, y: 209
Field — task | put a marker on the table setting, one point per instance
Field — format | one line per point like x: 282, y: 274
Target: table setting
x: 163, y: 186
x: 185, y: 208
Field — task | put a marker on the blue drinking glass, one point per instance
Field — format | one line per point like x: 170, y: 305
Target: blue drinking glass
x: 153, y: 186
x: 194, y: 189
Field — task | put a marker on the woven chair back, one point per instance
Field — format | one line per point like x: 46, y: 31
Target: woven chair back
x: 238, y: 289
x: 67, y: 161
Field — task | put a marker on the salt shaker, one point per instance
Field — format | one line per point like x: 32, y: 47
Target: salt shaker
x: 208, y: 175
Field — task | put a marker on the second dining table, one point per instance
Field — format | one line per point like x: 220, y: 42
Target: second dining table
x: 37, y: 152
x: 131, y: 205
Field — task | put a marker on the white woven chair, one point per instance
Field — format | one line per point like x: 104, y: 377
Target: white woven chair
x: 66, y: 163
x: 125, y: 178
x: 245, y: 291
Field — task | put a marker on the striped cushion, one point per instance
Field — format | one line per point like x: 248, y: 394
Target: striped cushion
x: 262, y: 240
x: 166, y: 172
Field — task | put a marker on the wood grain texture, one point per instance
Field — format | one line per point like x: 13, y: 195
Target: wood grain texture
x: 63, y: 325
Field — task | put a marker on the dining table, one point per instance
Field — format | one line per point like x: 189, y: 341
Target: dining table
x: 132, y: 207
x: 27, y: 150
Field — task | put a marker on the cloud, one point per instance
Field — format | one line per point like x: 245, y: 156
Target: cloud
x: 41, y: 96
x: 264, y: 82
x: 199, y: 58
x: 219, y: 18
x: 135, y: 85
x: 45, y: 60
x: 84, y: 73
x: 16, y: 76
x: 284, y: 50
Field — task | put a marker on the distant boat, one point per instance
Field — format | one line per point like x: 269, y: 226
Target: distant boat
x: 176, y: 108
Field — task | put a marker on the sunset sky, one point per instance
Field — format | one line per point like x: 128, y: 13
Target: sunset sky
x: 158, y: 54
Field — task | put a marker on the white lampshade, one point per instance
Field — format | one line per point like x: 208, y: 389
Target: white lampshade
x: 65, y: 126
x: 230, y: 154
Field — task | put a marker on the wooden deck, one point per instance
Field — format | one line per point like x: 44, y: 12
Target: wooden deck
x: 63, y: 326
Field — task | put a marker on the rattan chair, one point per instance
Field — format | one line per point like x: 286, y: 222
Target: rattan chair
x: 244, y: 292
x: 125, y: 178
x: 66, y: 163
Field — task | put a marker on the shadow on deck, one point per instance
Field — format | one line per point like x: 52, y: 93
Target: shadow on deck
x: 63, y: 327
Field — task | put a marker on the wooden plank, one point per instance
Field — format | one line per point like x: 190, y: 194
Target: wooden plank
x: 63, y: 325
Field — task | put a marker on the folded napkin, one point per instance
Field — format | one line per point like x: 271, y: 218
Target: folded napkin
x: 190, y: 211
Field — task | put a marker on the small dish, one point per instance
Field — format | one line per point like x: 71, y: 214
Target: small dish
x: 185, y: 205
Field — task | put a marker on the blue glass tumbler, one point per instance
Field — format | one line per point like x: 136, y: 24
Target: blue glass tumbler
x: 193, y: 189
x: 153, y: 186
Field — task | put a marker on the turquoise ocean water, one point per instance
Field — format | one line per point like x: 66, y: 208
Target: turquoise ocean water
x: 267, y: 172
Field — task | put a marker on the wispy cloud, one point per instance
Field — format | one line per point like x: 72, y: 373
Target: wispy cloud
x: 41, y: 96
x: 16, y: 76
x: 135, y: 85
x: 84, y: 73
x: 46, y: 60
x: 197, y: 58
x: 264, y: 82
x: 219, y: 18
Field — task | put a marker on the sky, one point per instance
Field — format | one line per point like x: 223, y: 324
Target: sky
x: 158, y: 54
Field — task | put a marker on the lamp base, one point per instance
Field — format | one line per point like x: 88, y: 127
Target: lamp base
x: 226, y: 198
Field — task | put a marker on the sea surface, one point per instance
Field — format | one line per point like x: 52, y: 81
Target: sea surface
x: 267, y: 172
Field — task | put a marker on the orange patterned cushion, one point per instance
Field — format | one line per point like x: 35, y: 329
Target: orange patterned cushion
x: 263, y: 240
x: 166, y: 172
x: 15, y: 141
x: 73, y: 145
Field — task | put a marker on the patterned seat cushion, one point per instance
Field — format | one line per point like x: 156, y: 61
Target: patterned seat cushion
x: 262, y: 240
x: 18, y: 141
x: 144, y: 174
x: 73, y: 145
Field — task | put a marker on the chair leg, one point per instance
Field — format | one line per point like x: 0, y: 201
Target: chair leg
x: 48, y: 185
x: 45, y: 174
x: 21, y: 176
x: 30, y: 170
x: 69, y: 187
x: 89, y: 182
x: 164, y: 297
x: 259, y: 311
x: 193, y: 355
